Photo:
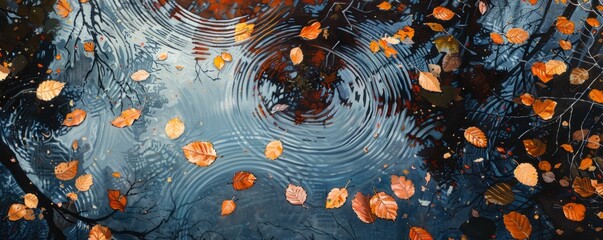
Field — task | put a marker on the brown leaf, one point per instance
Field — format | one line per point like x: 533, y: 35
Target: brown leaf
x: 174, y: 128
x: 583, y: 187
x: 567, y: 147
x: 201, y: 153
x: 311, y: 32
x: 296, y: 195
x: 74, y: 118
x: 451, y: 62
x: 99, y: 232
x: 30, y: 200
x: 243, y: 180
x: 517, y: 35
x: 296, y: 55
x: 527, y: 99
x: 384, y: 206
x: 49, y: 89
x: 66, y: 170
x: 578, y: 76
x: 117, y: 201
x: 564, y: 25
x: 29, y: 215
x: 273, y: 150
x: 16, y: 211
x: 362, y: 208
x: 429, y: 82
x: 228, y: 206
x: 500, y: 194
x: 84, y: 182
x: 417, y: 233
x: 534, y: 147
x: 447, y: 44
x: 126, y: 118
x: 72, y: 196
x: 544, y: 109
x: 518, y: 225
x: 580, y: 135
x: 476, y: 137
x: 403, y: 188
x: 574, y: 211
x: 526, y: 173
x: 435, y: 26
x: 442, y: 13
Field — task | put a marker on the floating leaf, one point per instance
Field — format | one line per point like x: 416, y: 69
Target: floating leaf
x: 279, y: 108
x: 500, y: 194
x: 517, y: 35
x: 174, y: 128
x: 527, y: 99
x: 565, y: 45
x: 89, y: 46
x: 548, y: 177
x: 451, y: 62
x: 596, y: 95
x: 442, y: 13
x: 296, y: 55
x: 243, y: 31
x: 544, y: 166
x: 126, y: 118
x: 435, y: 69
x: 518, y: 225
x: 243, y: 180
x: 574, y: 211
x: 162, y: 56
x: 539, y: 70
x: 585, y: 163
x: 598, y: 186
x: 84, y: 182
x: 337, y: 197
x: 228, y: 206
x: 447, y: 44
x: 30, y: 200
x: 63, y: 8
x: 226, y: 56
x: 544, y: 109
x: 593, y: 22
x: 219, y: 62
x: 296, y: 195
x: 417, y: 233
x: 74, y: 118
x: 567, y: 147
x: 140, y: 75
x: 66, y: 170
x: 583, y: 187
x: 201, y: 153
x: 72, y: 196
x: 374, y: 46
x: 311, y: 32
x: 403, y: 188
x: 389, y: 51
x: 555, y: 67
x: 99, y: 232
x: 29, y: 215
x: 476, y: 137
x: 526, y: 173
x: 534, y: 147
x: 564, y: 25
x: 362, y: 207
x: 4, y: 72
x: 497, y: 38
x: 16, y: 211
x: 435, y: 26
x: 593, y: 142
x: 578, y: 76
x: 384, y: 206
x: 406, y: 32
x: 384, y: 6
x: 273, y: 150
x: 117, y: 201
x: 49, y: 89
x: 429, y: 82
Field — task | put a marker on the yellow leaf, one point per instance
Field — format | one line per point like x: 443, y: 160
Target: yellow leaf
x: 30, y: 200
x: 296, y: 55
x: 574, y: 211
x: 403, y: 188
x: 447, y: 44
x: 16, y: 211
x: 66, y: 170
x: 243, y: 31
x: 518, y: 225
x: 219, y: 62
x: 49, y: 89
x: 126, y: 118
x: 384, y: 206
x: 567, y: 147
x: 99, y: 232
x: 442, y: 13
x: 476, y: 137
x: 226, y: 56
x: 593, y: 22
x: 526, y: 173
x: 435, y: 26
x: 544, y: 109
x: 273, y: 150
x: 311, y: 32
x: 564, y: 25
x: 555, y: 67
x: 228, y: 206
x: 84, y: 182
x: 497, y: 38
x: 201, y: 153
x: 74, y: 118
x: 63, y: 8
x: 517, y: 35
x: 384, y: 6
x: 565, y: 45
x: 429, y: 82
x: 374, y: 46
x: 596, y: 95
x: 174, y: 128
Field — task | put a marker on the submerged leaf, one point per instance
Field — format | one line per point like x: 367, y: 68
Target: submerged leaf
x: 174, y: 128
x: 74, y: 118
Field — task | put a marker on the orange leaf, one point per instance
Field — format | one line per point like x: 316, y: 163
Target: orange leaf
x: 74, y: 118
x: 243, y: 180
x: 228, y: 206
x: 585, y: 163
x: 384, y: 206
x: 417, y: 233
x: 497, y: 38
x: 544, y: 166
x: 527, y: 99
x: 593, y: 22
x: 555, y: 67
x: 384, y: 6
x: 429, y: 82
x: 389, y: 51
x: 374, y: 46
x: 442, y: 13
x: 66, y: 170
x: 533, y: 2
x: 174, y: 128
x: 517, y: 35
x: 296, y: 195
x: 476, y: 137
x: 362, y: 208
x: 16, y: 211
x: 565, y: 45
x: 311, y: 32
x: 593, y: 142
x: 574, y: 211
x: 403, y: 188
x: 406, y: 32
x: 296, y: 55
x: 140, y: 75
x: 526, y: 173
x: 273, y: 150
x: 567, y: 147
x: 435, y: 26
x: 63, y: 8
x: 518, y: 225
x: 72, y: 196
x: 89, y: 46
x: 30, y: 200
x: 337, y: 197
x: 83, y: 182
x: 99, y: 232
x: 117, y: 201
x: 126, y: 118
x: 49, y: 89
x: 29, y: 215
x: 583, y: 187
x: 534, y: 147
x: 201, y: 153
x: 596, y: 95
x: 564, y: 25
x: 598, y: 186
x: 544, y: 109
x: 539, y: 70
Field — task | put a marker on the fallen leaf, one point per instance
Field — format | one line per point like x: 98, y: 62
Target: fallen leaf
x: 116, y: 174
x: 126, y: 118
x: 74, y: 118
x: 435, y: 26
x: 296, y: 55
x: 526, y: 173
x: 337, y: 197
x: 518, y: 225
x: 593, y: 22
x: 29, y: 215
x: 84, y: 182
x: 539, y: 70
x: 228, y: 206
x: 30, y: 200
x: 567, y: 147
x: 117, y: 201
x: 389, y: 51
x: 4, y: 72
x: 429, y: 82
x: 578, y: 76
x: 66, y: 170
x: 544, y: 166
x: 534, y: 147
x: 63, y: 8
x: 311, y: 32
x: 527, y: 99
x: 497, y: 38
x: 99, y: 232
x: 585, y: 163
x: 243, y: 31
x: 89, y: 46
x: 16, y: 211
x: 407, y: 32
x: 403, y: 188
x: 476, y: 137
x: 201, y: 153
x: 544, y: 109
x: 279, y: 108
x: 273, y: 150
x: 226, y: 56
x: 362, y: 208
x: 574, y: 211
x: 442, y: 13
x: 162, y: 56
x: 374, y: 46
x: 564, y: 25
x: 598, y: 186
x: 500, y: 193
x: 219, y: 62
x: 49, y: 89
x: 72, y: 196
x: 174, y: 128
x: 548, y: 177
x: 596, y: 95
x: 451, y: 62
x: 583, y: 187
x: 447, y: 44
x: 296, y: 195
x: 417, y: 233
x: 435, y: 70
x: 555, y: 67
x: 565, y: 45
x: 384, y: 206
x: 140, y: 75
x: 243, y: 180
x: 517, y: 35
x: 593, y: 142
x: 384, y: 6
x: 600, y: 215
